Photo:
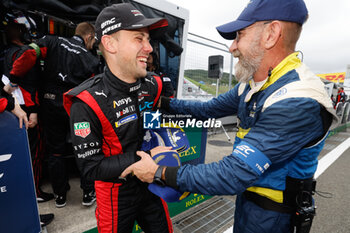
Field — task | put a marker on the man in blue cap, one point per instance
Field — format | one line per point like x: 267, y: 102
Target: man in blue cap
x: 284, y: 115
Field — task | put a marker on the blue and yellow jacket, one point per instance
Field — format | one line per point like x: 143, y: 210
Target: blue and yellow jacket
x: 277, y: 122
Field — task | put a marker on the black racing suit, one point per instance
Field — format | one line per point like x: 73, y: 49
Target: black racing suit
x: 67, y: 63
x: 106, y: 116
x: 168, y: 89
x: 28, y: 85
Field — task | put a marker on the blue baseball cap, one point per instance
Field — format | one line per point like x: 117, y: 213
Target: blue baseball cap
x: 262, y: 10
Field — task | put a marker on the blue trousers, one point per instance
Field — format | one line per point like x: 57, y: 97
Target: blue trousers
x: 250, y: 218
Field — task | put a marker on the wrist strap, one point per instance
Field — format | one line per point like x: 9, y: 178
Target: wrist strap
x: 158, y: 176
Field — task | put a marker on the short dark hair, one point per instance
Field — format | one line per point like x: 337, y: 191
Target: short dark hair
x: 292, y: 31
x: 84, y: 29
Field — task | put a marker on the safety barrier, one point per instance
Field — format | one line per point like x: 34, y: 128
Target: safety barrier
x: 343, y: 112
x: 198, y: 50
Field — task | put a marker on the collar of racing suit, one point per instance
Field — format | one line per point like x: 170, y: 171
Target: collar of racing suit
x: 289, y: 63
x: 79, y: 39
x: 117, y: 84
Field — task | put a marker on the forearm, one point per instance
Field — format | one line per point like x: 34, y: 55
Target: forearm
x: 100, y: 167
x: 227, y: 177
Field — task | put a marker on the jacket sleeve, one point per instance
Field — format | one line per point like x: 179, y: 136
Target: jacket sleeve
x: 224, y: 105
x: 229, y: 176
x: 281, y: 131
x: 26, y: 60
x: 286, y: 127
x: 91, y: 161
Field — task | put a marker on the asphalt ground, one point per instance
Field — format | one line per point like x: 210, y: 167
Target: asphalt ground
x: 333, y: 210
x: 333, y: 185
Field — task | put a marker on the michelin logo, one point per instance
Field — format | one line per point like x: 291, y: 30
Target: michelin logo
x: 4, y: 158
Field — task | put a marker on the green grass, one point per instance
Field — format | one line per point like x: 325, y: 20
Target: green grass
x: 202, y: 75
x: 207, y: 87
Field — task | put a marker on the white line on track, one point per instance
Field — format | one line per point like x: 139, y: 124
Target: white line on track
x: 331, y: 157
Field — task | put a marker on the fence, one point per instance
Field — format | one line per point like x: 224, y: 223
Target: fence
x: 343, y: 112
x: 196, y: 68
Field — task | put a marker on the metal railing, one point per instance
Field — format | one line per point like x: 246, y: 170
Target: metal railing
x: 199, y: 48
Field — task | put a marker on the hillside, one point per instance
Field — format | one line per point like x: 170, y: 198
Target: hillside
x: 202, y: 75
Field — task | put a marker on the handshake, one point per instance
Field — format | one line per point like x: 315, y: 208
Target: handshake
x: 164, y: 146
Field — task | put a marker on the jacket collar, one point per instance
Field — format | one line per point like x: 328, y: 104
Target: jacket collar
x: 114, y: 82
x: 291, y: 62
x: 79, y: 39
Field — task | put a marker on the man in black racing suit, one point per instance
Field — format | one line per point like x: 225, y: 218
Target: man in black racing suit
x: 106, y: 117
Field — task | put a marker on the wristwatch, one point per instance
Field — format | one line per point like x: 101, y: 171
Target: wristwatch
x: 158, y: 176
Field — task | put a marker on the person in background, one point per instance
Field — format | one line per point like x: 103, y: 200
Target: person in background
x: 340, y: 96
x: 284, y: 115
x: 67, y: 63
x: 17, y: 37
x: 106, y: 115
x: 153, y: 66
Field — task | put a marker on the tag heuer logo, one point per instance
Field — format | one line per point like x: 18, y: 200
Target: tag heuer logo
x: 82, y: 129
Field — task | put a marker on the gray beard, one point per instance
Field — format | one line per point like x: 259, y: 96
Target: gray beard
x: 244, y: 71
x: 248, y: 64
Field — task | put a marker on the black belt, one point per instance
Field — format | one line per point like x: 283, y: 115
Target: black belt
x: 267, y: 203
x: 293, y: 188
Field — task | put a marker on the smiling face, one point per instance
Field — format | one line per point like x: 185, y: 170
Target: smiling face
x: 128, y: 51
x: 246, y: 47
x: 133, y: 51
